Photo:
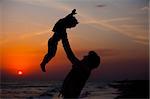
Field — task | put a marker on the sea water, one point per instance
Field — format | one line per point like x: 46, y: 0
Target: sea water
x: 50, y: 90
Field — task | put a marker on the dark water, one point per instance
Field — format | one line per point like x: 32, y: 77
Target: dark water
x: 49, y: 90
x: 132, y: 89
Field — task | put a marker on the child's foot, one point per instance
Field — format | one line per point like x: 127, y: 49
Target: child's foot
x: 43, y: 67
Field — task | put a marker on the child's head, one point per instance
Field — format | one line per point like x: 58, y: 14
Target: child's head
x: 70, y: 22
x: 92, y: 60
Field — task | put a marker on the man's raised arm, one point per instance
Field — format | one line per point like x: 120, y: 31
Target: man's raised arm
x: 68, y: 50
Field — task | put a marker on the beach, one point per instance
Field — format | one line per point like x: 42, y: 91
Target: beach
x: 126, y: 89
x: 50, y: 90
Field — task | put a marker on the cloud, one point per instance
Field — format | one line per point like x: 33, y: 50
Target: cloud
x: 100, y: 5
x: 127, y: 32
x: 24, y: 36
x: 107, y: 52
x: 102, y: 52
x: 34, y: 34
x: 40, y: 3
x: 117, y: 19
x: 142, y: 40
x: 146, y: 8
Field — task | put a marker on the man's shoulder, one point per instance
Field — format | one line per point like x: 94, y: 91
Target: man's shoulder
x: 81, y: 67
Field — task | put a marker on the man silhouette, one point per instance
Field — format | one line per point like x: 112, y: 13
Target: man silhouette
x: 80, y: 72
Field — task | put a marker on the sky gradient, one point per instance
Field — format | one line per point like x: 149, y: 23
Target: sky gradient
x: 116, y: 29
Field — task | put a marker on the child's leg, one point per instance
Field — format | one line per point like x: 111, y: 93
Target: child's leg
x: 52, y: 47
x: 51, y: 53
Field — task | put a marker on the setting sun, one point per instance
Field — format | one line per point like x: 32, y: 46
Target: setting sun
x: 20, y: 72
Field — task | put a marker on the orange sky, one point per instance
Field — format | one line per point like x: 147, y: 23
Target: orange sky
x: 118, y: 33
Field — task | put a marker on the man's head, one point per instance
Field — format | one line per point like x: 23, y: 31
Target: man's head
x: 92, y: 60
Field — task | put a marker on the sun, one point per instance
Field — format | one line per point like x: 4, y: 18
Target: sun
x: 20, y: 72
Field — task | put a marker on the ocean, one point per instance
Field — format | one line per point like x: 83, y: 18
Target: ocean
x: 50, y: 90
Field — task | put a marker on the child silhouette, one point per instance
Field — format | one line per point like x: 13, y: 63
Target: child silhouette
x: 60, y: 27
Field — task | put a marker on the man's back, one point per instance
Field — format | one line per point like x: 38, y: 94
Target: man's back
x: 75, y: 81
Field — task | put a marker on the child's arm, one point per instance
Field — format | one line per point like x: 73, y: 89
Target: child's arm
x: 72, y: 13
x: 68, y: 50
